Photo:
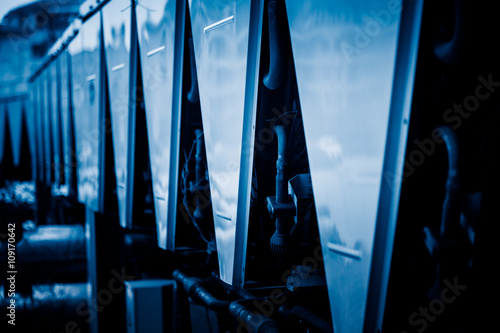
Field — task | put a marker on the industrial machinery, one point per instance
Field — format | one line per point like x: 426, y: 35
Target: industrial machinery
x: 260, y: 166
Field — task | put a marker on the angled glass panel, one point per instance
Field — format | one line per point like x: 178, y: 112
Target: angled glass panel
x: 221, y: 35
x: 79, y: 100
x: 345, y: 60
x: 160, y: 28
x: 117, y: 17
x: 85, y: 51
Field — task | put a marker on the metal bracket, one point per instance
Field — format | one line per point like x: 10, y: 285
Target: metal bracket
x: 280, y: 209
x: 305, y: 276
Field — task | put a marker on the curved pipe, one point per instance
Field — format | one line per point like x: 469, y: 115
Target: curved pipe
x: 280, y: 239
x: 201, y: 206
x: 281, y: 163
x: 232, y: 291
x: 449, y: 51
x: 194, y: 289
x: 311, y: 319
x: 450, y: 217
x: 254, y: 321
x: 274, y: 76
x: 193, y: 94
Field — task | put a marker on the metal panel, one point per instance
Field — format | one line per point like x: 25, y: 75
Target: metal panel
x: 29, y: 116
x: 116, y: 30
x: 3, y: 132
x: 78, y: 86
x: 14, y: 113
x: 38, y: 88
x: 160, y: 28
x: 85, y: 52
x: 66, y: 118
x: 46, y: 127
x: 345, y: 55
x: 150, y: 306
x: 227, y: 48
x: 55, y: 103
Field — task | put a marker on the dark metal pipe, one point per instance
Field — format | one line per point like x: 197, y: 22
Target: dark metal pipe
x: 311, y: 319
x: 232, y: 291
x: 280, y: 239
x: 450, y: 50
x: 193, y: 93
x: 281, y: 164
x: 200, y: 211
x: 194, y: 289
x: 51, y: 253
x: 238, y: 292
x: 49, y: 243
x: 450, y: 217
x: 253, y: 320
x: 53, y: 303
x: 200, y: 148
x: 274, y: 76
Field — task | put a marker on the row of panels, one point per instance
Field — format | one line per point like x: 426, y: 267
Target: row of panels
x: 14, y: 114
x: 355, y: 80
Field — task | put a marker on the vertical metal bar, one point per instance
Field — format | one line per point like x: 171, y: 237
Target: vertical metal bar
x: 132, y: 111
x: 101, y: 141
x: 404, y: 76
x: 248, y: 140
x: 180, y: 19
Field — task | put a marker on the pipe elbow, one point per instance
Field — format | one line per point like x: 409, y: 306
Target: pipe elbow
x: 451, y: 207
x: 193, y: 95
x: 281, y: 163
x: 451, y: 142
x: 451, y: 50
x: 282, y: 141
x: 274, y: 76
